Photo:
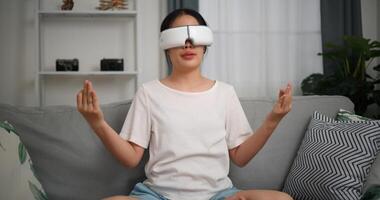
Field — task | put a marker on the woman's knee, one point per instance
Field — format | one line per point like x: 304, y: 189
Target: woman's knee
x: 261, y: 195
x: 284, y: 196
x: 119, y: 197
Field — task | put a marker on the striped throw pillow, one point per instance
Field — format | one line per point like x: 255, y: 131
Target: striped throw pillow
x: 334, y: 159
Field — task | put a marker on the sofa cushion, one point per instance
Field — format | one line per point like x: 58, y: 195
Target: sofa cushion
x: 69, y: 158
x: 334, y: 159
x: 345, y: 115
x: 18, y: 180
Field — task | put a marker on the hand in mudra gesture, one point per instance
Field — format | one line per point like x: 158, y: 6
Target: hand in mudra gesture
x: 283, y: 104
x: 88, y: 104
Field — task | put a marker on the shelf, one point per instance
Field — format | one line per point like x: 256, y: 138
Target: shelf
x: 89, y: 35
x: 90, y: 13
x: 79, y: 73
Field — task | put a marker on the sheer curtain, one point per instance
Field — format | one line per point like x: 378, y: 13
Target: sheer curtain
x: 261, y: 45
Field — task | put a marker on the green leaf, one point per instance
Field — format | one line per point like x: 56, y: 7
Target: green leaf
x: 37, y: 193
x: 376, y: 96
x: 22, y: 153
x: 369, y: 77
x: 310, y: 85
x: 377, y: 68
x: 375, y: 44
x: 374, y: 53
x: 8, y: 127
x: 376, y: 82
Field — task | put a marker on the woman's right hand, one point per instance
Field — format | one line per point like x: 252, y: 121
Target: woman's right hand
x: 88, y: 105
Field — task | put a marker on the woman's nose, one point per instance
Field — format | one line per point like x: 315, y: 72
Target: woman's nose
x: 188, y: 44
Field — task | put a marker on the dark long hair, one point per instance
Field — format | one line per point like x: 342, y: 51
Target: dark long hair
x: 169, y: 19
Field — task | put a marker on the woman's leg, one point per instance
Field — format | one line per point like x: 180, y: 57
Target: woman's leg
x: 260, y: 195
x: 140, y: 191
x: 120, y: 198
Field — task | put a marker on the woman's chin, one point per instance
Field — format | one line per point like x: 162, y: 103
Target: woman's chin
x: 190, y: 67
x: 187, y: 65
x: 190, y: 63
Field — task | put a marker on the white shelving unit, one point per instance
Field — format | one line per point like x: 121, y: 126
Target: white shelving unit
x: 88, y: 35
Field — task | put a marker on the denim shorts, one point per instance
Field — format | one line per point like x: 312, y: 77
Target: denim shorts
x: 141, y: 191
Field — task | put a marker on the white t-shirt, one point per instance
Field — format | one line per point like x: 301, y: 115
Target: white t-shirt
x: 188, y: 135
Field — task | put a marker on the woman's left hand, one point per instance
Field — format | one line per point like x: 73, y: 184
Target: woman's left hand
x: 283, y: 104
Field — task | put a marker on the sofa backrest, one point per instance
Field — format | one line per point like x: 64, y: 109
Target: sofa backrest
x: 72, y: 163
x: 269, y: 168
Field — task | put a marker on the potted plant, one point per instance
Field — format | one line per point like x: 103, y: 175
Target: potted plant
x: 373, y: 193
x: 351, y: 79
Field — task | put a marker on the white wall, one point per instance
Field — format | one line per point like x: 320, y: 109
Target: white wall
x: 18, y: 56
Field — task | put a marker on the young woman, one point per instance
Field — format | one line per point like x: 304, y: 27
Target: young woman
x: 192, y: 125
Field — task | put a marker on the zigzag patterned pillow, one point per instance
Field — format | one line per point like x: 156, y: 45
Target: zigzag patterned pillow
x: 334, y: 159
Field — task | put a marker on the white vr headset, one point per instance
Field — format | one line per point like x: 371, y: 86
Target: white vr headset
x: 177, y: 37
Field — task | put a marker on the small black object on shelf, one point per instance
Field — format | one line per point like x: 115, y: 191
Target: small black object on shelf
x: 67, y: 64
x: 112, y: 64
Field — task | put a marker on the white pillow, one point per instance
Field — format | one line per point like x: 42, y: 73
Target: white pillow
x: 17, y: 179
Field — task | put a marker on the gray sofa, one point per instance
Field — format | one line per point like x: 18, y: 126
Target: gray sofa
x: 72, y: 163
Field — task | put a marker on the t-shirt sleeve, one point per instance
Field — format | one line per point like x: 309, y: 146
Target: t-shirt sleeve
x: 237, y: 125
x: 137, y: 125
